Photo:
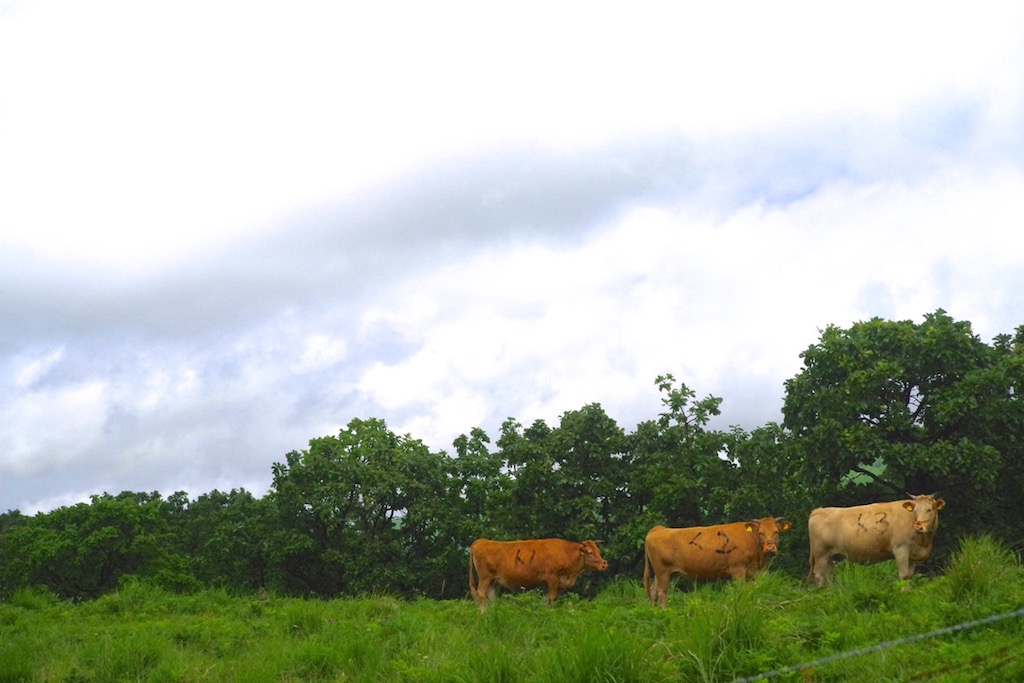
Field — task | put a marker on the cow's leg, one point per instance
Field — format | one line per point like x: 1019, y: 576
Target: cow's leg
x: 661, y: 582
x: 552, y: 590
x: 739, y: 573
x: 904, y: 565
x: 484, y: 592
x: 822, y: 569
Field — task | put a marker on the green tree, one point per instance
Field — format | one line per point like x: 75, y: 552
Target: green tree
x: 11, y: 575
x: 83, y: 550
x: 682, y: 472
x: 534, y: 481
x: 481, y: 488
x: 588, y: 448
x: 677, y: 471
x: 769, y: 482
x: 989, y: 410
x: 885, y: 408
x: 567, y: 482
x: 359, y: 513
x: 224, y: 536
x: 563, y: 481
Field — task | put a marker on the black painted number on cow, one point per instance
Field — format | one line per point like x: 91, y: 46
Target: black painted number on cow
x: 521, y: 560
x: 725, y: 549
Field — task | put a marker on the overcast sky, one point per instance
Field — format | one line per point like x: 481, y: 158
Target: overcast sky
x: 228, y: 228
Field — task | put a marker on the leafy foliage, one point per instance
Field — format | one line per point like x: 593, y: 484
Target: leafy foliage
x: 83, y: 550
x: 358, y: 512
x: 877, y: 410
x: 931, y: 403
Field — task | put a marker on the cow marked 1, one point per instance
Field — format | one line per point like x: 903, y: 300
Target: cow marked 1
x: 551, y: 562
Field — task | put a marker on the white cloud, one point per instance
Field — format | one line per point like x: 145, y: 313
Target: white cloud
x: 160, y: 389
x: 140, y: 135
x: 231, y: 228
x: 320, y: 352
x: 66, y: 498
x: 29, y: 370
x: 44, y: 429
x: 668, y: 290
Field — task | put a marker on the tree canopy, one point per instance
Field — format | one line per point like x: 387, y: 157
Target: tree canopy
x: 878, y: 410
x: 892, y: 407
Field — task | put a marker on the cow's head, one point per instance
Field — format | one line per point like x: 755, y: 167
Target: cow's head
x: 926, y: 512
x: 592, y: 556
x: 768, y: 530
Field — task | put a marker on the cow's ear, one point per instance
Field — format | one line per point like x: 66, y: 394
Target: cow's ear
x: 784, y: 524
x: 909, y: 505
x: 752, y: 526
x: 939, y: 503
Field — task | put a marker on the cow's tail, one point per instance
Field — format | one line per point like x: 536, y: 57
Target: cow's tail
x: 472, y: 586
x: 810, y: 574
x: 647, y: 572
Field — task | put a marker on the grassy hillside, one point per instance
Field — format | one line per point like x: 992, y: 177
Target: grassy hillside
x: 714, y: 632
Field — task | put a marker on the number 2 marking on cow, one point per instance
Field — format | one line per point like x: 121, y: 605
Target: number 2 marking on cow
x: 725, y: 544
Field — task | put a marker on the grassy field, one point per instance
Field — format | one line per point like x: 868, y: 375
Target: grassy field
x: 713, y: 632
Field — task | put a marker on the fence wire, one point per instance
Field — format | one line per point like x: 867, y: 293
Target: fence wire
x: 878, y: 647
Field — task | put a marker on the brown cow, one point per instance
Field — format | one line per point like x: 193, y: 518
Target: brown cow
x: 901, y: 529
x: 550, y: 562
x: 738, y: 551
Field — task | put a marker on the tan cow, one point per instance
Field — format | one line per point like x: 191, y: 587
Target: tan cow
x: 738, y: 551
x: 901, y: 529
x: 550, y: 562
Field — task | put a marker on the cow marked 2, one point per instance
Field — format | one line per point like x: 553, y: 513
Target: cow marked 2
x: 725, y: 549
x: 737, y: 551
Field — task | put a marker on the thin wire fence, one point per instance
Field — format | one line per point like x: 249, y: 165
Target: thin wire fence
x: 878, y: 647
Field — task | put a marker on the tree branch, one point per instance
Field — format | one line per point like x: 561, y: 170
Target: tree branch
x: 883, y: 482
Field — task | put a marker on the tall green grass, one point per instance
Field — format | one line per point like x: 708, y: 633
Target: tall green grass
x: 981, y: 577
x: 710, y: 632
